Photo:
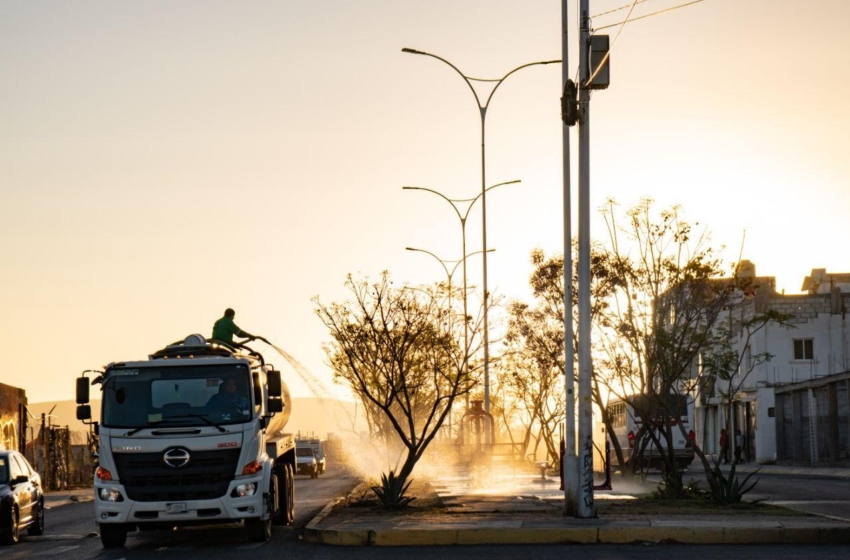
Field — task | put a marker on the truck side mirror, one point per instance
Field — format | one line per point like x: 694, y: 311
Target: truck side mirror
x: 273, y: 379
x: 82, y: 390
x: 84, y: 412
x: 275, y: 405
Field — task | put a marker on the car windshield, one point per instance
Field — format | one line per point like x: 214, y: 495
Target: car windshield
x: 4, y: 470
x: 176, y: 396
x: 303, y: 452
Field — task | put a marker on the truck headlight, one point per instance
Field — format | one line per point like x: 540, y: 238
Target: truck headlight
x: 244, y: 490
x: 111, y: 495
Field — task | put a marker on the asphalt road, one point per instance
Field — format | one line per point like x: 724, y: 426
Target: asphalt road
x: 70, y: 532
x: 71, y: 535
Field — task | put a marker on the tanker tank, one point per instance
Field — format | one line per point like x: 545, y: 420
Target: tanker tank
x: 279, y: 420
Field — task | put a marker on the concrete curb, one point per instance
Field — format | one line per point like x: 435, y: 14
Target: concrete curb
x: 389, y: 533
x: 613, y: 534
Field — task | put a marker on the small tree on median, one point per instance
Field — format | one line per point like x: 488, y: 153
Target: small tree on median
x: 398, y: 351
x: 660, y: 319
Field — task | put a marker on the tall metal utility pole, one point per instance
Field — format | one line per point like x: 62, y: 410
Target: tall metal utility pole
x: 586, y: 506
x: 570, y: 463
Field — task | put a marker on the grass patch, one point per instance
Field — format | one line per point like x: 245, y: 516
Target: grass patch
x: 651, y: 505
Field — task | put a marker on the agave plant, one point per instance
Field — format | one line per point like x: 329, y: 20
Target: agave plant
x: 728, y: 489
x: 392, y: 491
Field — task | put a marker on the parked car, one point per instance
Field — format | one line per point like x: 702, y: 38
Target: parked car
x: 21, y: 498
x: 305, y: 462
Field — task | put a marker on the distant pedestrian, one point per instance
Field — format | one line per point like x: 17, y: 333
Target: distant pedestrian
x: 739, y: 445
x: 225, y: 328
x: 724, y: 446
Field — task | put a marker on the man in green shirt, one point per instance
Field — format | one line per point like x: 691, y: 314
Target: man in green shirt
x: 225, y: 328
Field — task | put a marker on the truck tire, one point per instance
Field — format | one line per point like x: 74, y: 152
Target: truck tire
x: 286, y: 497
x: 113, y: 536
x: 291, y: 493
x: 258, y: 530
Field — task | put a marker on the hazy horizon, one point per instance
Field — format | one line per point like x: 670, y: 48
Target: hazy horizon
x: 162, y: 161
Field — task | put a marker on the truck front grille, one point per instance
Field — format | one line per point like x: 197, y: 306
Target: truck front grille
x: 146, y: 478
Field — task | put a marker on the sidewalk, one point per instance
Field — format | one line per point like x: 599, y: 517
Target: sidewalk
x: 828, y: 472
x: 57, y: 498
x: 474, y: 518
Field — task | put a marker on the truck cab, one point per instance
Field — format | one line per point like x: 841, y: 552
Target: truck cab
x: 191, y: 435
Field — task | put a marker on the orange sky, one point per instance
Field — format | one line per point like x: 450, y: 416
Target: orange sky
x: 160, y: 160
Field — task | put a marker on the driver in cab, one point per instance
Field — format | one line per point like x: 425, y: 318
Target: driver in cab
x: 228, y: 395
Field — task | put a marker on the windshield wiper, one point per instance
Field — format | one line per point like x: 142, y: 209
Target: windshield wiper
x: 166, y: 420
x: 206, y: 420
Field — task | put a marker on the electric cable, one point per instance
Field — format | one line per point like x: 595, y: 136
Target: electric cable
x: 648, y: 15
x: 614, y: 42
x: 612, y: 10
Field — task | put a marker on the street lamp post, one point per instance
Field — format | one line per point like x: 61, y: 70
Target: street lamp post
x: 462, y: 217
x: 482, y: 109
x: 449, y: 275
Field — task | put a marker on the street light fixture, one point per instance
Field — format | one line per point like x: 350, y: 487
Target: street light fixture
x: 449, y: 275
x: 482, y: 109
x: 462, y: 217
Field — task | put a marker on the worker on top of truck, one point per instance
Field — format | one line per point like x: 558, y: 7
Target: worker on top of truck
x: 225, y: 328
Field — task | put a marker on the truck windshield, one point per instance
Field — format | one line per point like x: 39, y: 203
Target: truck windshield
x: 177, y: 395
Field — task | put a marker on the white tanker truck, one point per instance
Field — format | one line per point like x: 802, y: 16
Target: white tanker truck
x: 192, y: 435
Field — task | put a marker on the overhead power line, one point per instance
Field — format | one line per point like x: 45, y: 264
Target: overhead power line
x: 617, y: 36
x: 612, y: 10
x: 648, y: 15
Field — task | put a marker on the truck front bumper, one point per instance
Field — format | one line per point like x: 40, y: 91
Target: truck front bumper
x: 176, y: 512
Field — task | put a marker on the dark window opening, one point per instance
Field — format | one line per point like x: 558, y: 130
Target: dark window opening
x: 804, y: 349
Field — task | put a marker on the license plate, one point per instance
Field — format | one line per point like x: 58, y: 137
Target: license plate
x: 179, y: 507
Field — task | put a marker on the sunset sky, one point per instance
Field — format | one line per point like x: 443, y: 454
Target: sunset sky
x: 161, y: 161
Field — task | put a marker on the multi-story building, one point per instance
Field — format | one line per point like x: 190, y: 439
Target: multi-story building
x: 795, y: 407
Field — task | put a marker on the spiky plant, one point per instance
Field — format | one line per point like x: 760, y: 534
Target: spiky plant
x: 392, y: 491
x: 729, y: 490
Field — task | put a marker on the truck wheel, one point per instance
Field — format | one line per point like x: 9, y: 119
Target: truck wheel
x: 113, y: 536
x: 286, y: 497
x: 259, y: 530
x: 291, y: 496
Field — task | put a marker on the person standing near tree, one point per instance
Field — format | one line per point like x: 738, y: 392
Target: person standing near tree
x: 724, y: 446
x: 739, y: 445
x: 224, y: 329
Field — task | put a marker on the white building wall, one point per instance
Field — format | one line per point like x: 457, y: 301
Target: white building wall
x: 814, y: 318
x: 765, y: 426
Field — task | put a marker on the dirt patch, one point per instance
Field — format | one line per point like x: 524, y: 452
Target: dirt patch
x: 362, y: 501
x: 649, y: 506
x: 429, y: 507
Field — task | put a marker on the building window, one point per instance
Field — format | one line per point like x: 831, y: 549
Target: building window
x: 804, y: 349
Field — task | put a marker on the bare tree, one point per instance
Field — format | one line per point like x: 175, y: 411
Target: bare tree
x: 660, y: 319
x: 398, y: 350
x: 533, y: 368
